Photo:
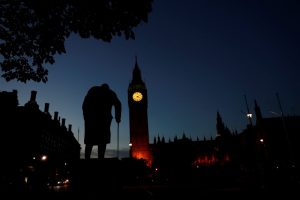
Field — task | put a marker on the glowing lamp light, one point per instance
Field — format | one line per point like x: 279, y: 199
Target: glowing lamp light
x: 66, y: 181
x: 261, y: 140
x: 249, y: 115
x: 44, y: 157
x: 130, y: 144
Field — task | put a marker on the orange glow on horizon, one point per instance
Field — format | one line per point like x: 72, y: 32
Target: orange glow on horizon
x: 143, y: 155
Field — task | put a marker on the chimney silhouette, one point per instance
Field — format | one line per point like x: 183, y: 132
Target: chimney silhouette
x: 56, y: 116
x: 33, y: 95
x: 32, y: 104
x: 46, y: 109
x: 63, y: 122
x: 70, y: 128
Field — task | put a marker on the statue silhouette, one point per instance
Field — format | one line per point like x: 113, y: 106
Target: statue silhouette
x: 97, y: 108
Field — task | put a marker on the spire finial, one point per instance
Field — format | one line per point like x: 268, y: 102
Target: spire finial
x: 136, y: 62
x: 137, y: 72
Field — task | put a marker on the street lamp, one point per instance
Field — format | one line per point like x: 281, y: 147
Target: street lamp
x: 130, y: 149
x: 44, y: 158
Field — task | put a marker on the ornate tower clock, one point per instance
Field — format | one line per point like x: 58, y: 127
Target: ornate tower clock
x: 138, y: 117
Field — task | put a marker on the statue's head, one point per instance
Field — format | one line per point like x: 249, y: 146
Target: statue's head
x: 105, y: 86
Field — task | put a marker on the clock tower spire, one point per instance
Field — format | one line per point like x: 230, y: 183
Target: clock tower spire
x: 138, y: 117
x: 137, y: 76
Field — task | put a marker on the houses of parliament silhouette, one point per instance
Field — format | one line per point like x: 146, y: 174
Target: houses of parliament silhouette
x: 271, y: 141
x: 266, y: 150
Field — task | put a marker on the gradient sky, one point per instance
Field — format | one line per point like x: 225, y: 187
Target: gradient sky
x: 196, y: 58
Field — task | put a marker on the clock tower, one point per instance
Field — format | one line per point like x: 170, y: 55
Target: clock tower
x: 138, y: 117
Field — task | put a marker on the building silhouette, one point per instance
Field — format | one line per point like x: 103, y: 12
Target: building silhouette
x: 138, y: 117
x: 261, y: 154
x: 37, y: 149
x: 173, y: 159
x: 264, y: 154
x: 31, y: 136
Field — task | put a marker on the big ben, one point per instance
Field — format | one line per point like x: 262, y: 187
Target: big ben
x: 138, y: 117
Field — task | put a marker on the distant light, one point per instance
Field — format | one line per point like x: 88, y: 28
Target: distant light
x: 33, y: 158
x: 44, y: 157
x: 261, y: 140
x: 66, y: 181
x: 249, y: 115
x: 130, y: 144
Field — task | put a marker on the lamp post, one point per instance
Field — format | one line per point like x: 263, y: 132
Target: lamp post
x: 130, y: 150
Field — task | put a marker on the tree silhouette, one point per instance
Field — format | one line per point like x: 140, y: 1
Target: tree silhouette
x: 33, y: 32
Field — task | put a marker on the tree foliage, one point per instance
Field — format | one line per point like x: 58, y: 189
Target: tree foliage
x: 32, y: 32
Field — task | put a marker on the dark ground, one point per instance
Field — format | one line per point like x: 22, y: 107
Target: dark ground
x: 93, y: 179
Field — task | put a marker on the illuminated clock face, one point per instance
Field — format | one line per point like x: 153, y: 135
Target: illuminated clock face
x: 137, y: 96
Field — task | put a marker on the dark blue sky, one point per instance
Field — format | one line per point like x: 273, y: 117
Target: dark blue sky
x: 196, y: 58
